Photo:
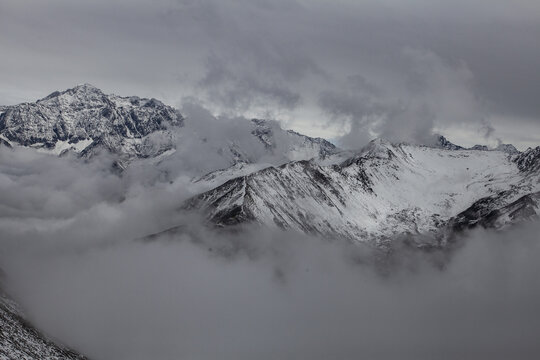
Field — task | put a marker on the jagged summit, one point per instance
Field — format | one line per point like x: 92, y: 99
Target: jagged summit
x: 78, y: 89
x: 443, y: 143
x: 529, y: 160
x: 85, y: 87
x: 507, y: 148
x: 378, y: 148
x: 84, y: 119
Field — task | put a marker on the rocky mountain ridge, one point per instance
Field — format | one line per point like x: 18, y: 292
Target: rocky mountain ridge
x: 85, y: 121
x: 384, y: 191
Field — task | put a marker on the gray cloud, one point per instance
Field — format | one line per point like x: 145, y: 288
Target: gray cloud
x: 429, y: 96
x: 361, y: 69
x: 241, y: 91
x: 249, y: 57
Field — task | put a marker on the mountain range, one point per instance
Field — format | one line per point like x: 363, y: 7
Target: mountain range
x: 383, y: 191
x: 85, y: 121
x: 253, y: 171
x: 373, y: 194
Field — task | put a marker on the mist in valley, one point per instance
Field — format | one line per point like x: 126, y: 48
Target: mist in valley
x: 76, y: 256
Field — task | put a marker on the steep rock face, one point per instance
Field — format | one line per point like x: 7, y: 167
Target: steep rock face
x: 385, y: 190
x: 20, y: 340
x: 84, y: 118
x: 497, y: 211
x: 443, y: 143
x: 529, y: 160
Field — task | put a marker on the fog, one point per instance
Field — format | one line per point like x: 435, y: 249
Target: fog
x: 75, y: 256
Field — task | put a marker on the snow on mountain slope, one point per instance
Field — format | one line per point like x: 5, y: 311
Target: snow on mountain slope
x: 216, y: 178
x: 19, y: 340
x: 529, y: 160
x: 264, y: 144
x: 84, y: 119
x: 497, y: 211
x: 383, y: 191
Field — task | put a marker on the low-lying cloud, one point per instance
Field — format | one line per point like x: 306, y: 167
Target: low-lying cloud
x: 85, y: 276
x: 288, y: 296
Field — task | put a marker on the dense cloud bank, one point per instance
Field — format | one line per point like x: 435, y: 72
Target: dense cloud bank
x: 73, y: 256
x: 342, y: 68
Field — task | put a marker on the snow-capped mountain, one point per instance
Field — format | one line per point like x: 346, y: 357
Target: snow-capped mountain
x: 84, y: 119
x: 383, y: 191
x: 20, y: 340
x: 256, y: 171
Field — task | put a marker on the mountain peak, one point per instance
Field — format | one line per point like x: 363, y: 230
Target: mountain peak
x: 444, y: 143
x: 379, y: 148
x: 507, y: 148
x: 83, y: 117
x: 85, y: 87
x: 81, y: 90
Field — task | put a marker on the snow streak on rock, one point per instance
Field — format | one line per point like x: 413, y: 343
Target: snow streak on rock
x: 383, y: 191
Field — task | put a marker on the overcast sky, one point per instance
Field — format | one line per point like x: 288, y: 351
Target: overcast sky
x: 342, y: 69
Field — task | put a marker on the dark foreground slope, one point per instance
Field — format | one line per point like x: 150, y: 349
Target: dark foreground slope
x: 20, y: 340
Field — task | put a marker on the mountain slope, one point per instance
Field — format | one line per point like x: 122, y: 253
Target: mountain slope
x: 529, y: 160
x: 497, y: 211
x: 385, y: 190
x: 19, y: 340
